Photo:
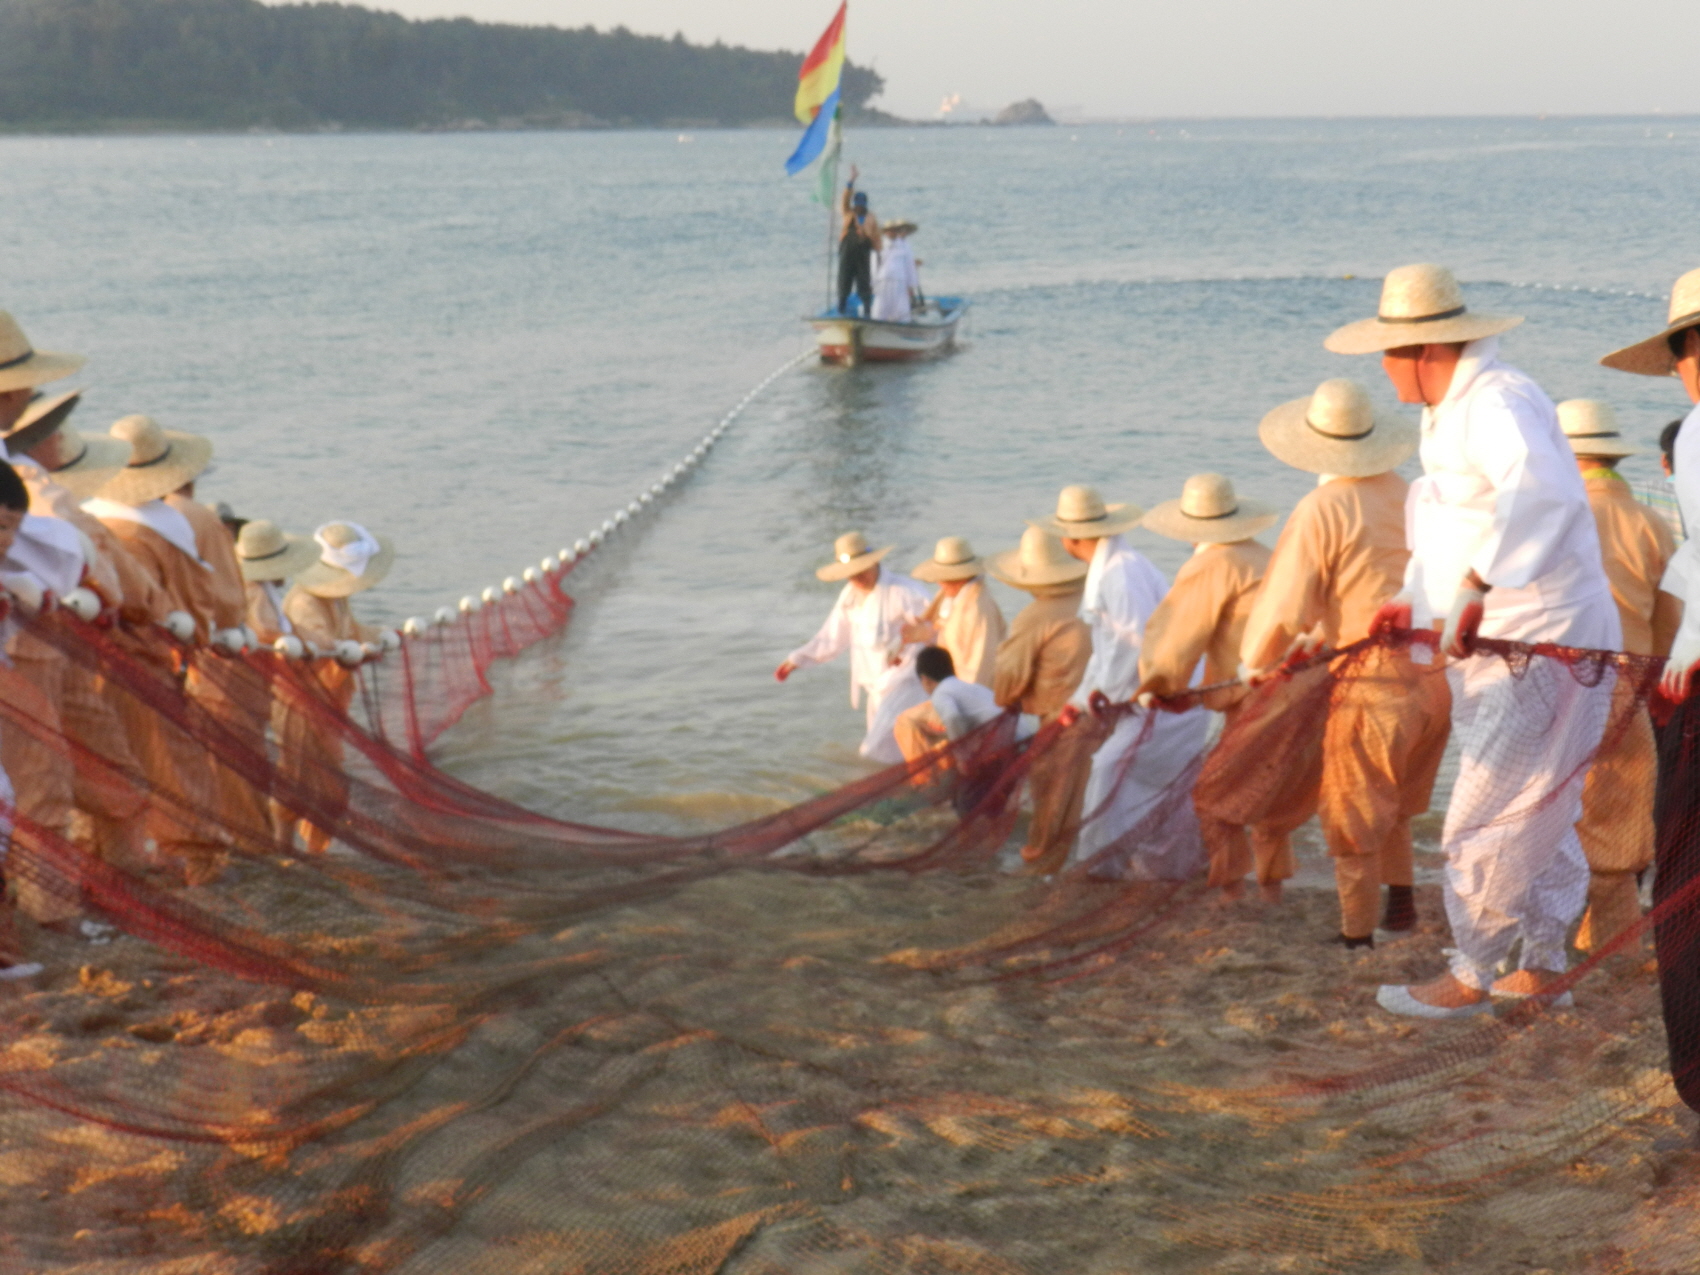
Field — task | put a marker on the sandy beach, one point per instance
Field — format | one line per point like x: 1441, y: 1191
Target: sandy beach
x: 772, y: 1070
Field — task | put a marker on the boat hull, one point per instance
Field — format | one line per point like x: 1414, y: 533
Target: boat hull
x: 853, y: 341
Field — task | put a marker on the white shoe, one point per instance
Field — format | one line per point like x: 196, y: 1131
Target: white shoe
x: 97, y: 931
x: 1398, y: 1000
x: 21, y: 970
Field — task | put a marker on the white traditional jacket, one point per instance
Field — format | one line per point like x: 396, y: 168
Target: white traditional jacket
x: 870, y: 626
x: 1501, y: 495
x: 1122, y: 590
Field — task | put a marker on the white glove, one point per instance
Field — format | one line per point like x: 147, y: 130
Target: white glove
x: 349, y: 653
x: 389, y: 640
x: 230, y: 641
x: 181, y: 625
x: 26, y: 591
x: 290, y: 647
x: 1676, y: 683
x: 1145, y: 699
x: 371, y: 650
x: 1459, y: 637
x: 82, y: 603
x: 250, y: 639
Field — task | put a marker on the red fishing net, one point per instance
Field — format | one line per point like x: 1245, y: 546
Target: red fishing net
x: 838, y: 1038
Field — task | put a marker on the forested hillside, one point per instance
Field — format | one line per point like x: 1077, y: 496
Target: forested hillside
x: 239, y: 64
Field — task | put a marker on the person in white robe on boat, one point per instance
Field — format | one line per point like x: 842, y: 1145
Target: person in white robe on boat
x: 897, y: 282
x: 868, y: 621
x: 1122, y: 590
x: 1503, y: 545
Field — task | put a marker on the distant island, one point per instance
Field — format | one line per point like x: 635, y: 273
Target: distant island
x: 1030, y: 111
x: 237, y: 64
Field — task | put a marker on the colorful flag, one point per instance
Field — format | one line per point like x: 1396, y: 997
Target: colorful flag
x: 818, y: 86
x: 819, y: 77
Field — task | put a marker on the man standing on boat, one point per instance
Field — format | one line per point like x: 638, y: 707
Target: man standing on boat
x: 857, y: 244
x: 868, y: 620
x: 897, y: 283
x: 1502, y: 543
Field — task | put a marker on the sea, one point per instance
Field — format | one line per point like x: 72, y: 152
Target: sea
x: 483, y: 345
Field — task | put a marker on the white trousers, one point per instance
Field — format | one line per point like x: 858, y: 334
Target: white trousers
x: 1514, y: 864
x: 1123, y: 790
x: 896, y: 691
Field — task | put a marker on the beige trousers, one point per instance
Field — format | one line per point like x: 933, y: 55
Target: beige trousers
x: 1386, y: 734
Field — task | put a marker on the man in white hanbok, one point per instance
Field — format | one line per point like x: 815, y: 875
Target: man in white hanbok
x: 868, y: 621
x: 1126, y: 784
x: 897, y: 282
x: 1502, y: 544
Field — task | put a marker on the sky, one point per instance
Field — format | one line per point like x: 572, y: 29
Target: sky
x: 1127, y: 59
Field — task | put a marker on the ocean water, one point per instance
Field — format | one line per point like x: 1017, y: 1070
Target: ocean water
x: 483, y: 345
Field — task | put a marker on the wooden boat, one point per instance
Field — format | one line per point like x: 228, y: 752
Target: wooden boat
x: 852, y: 340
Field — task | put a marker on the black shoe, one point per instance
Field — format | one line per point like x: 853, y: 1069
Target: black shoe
x: 1347, y: 942
x: 1401, y: 913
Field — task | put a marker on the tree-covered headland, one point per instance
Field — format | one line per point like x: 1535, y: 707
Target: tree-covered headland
x: 98, y: 64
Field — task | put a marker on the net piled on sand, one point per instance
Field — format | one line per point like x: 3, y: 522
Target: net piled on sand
x: 474, y: 1039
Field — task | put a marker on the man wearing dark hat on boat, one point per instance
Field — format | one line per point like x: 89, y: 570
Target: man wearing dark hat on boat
x: 857, y: 244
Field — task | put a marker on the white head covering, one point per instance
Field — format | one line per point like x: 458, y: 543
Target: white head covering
x: 351, y: 557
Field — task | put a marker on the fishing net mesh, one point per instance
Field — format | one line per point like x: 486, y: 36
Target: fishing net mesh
x: 469, y: 1038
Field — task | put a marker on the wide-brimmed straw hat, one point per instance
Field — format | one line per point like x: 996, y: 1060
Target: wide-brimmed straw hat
x: 903, y: 224
x: 1339, y: 430
x: 1038, y: 562
x: 267, y: 552
x: 1653, y: 357
x: 850, y: 557
x: 43, y: 414
x: 1591, y: 428
x: 1209, y: 511
x: 23, y: 367
x: 953, y: 559
x: 1420, y: 305
x: 351, y: 560
x: 1083, y: 515
x: 88, y: 463
x: 161, y: 461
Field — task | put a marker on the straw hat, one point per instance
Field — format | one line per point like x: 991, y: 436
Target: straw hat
x: 1338, y: 430
x: 1209, y: 512
x: 953, y: 559
x: 161, y: 461
x: 897, y: 224
x: 1420, y: 305
x: 1083, y: 515
x: 90, y: 462
x: 24, y: 368
x: 351, y: 560
x: 267, y: 553
x: 1652, y: 357
x: 1591, y: 427
x: 42, y: 415
x: 1040, y: 561
x: 851, y: 556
